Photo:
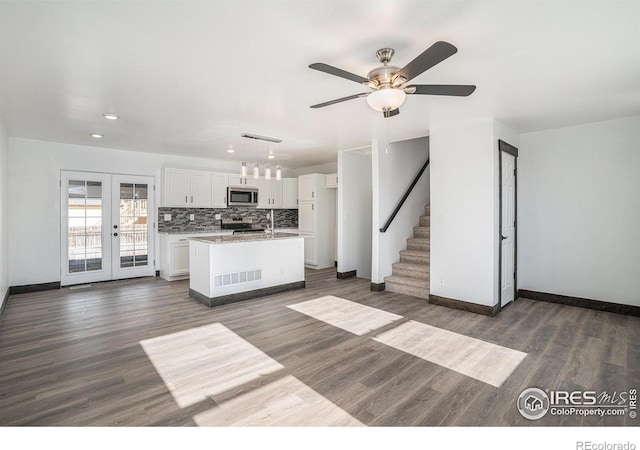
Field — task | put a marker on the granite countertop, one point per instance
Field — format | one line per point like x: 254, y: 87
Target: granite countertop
x: 220, y: 230
x: 246, y: 237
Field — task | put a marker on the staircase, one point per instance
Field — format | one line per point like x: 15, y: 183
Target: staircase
x: 411, y: 274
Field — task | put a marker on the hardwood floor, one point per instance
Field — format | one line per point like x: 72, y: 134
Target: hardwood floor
x: 77, y: 357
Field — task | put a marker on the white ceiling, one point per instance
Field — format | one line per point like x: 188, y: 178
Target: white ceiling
x: 189, y: 77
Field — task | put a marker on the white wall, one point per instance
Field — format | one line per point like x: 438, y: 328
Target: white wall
x: 331, y: 167
x: 465, y: 209
x: 392, y: 173
x: 354, y: 213
x: 579, y: 211
x: 34, y: 203
x: 4, y: 213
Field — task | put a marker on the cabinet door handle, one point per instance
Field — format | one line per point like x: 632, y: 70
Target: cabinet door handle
x: 313, y: 207
x: 313, y: 194
x: 192, y: 199
x: 224, y: 200
x: 185, y: 199
x: 115, y: 234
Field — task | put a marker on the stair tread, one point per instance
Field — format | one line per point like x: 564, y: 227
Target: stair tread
x: 415, y: 252
x: 419, y: 240
x: 411, y: 266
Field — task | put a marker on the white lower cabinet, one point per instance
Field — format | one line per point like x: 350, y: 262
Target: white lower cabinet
x: 310, y: 250
x: 174, y: 254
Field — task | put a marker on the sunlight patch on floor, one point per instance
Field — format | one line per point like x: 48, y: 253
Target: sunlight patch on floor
x: 284, y: 402
x: 204, y: 361
x: 350, y: 316
x: 484, y: 361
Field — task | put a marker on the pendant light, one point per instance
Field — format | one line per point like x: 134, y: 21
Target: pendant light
x: 256, y: 172
x: 278, y: 173
x: 267, y: 172
x: 243, y: 170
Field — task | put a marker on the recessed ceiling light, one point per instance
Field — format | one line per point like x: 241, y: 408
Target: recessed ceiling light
x: 230, y: 149
x: 97, y: 135
x: 111, y: 116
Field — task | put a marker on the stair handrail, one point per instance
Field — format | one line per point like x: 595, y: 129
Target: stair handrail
x: 404, y: 197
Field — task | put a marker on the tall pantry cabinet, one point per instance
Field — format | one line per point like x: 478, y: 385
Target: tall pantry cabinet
x: 316, y: 219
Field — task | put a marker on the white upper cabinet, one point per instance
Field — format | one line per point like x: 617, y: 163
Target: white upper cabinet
x: 200, y: 189
x: 307, y: 186
x: 177, y: 187
x: 219, y: 184
x: 269, y: 194
x: 237, y: 180
x: 331, y: 180
x: 187, y: 188
x: 290, y: 193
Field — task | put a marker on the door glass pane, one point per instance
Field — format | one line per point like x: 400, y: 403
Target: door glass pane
x: 133, y: 225
x: 84, y: 211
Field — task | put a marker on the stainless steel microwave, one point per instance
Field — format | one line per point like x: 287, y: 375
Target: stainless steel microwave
x: 242, y: 196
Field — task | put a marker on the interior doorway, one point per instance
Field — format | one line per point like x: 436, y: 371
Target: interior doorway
x: 106, y: 229
x: 508, y: 222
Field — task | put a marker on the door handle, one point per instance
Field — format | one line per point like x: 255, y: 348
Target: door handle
x: 502, y: 238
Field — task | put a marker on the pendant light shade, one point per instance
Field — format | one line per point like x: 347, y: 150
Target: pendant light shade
x: 278, y: 173
x: 386, y: 99
x: 267, y: 172
x: 243, y: 170
x: 256, y: 172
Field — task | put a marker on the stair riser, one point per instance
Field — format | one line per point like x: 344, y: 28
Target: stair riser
x: 425, y: 221
x: 427, y: 211
x: 413, y: 259
x: 407, y: 290
x: 421, y: 232
x: 419, y: 274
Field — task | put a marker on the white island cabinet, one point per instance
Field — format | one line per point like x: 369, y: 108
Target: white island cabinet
x: 174, y: 253
x: 229, y: 269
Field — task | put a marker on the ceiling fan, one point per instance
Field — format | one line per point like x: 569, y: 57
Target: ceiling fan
x: 389, y: 84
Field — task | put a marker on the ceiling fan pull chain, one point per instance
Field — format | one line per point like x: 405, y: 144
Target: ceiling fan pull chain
x: 386, y: 122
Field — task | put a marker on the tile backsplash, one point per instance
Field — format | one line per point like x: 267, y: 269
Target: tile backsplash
x: 204, y: 218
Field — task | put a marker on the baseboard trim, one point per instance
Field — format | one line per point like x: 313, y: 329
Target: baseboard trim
x: 599, y: 305
x: 345, y: 275
x: 377, y: 287
x: 26, y: 288
x: 452, y: 303
x: 242, y: 296
x: 3, y: 305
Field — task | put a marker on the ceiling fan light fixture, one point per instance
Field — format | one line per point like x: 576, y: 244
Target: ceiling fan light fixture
x: 386, y: 99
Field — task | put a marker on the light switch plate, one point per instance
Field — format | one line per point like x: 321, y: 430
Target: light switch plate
x: 167, y: 217
x: 192, y: 217
x: 218, y: 216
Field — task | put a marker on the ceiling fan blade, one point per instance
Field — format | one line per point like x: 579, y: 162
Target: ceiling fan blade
x: 326, y: 68
x: 393, y: 112
x: 435, y: 54
x: 339, y: 100
x: 458, y: 90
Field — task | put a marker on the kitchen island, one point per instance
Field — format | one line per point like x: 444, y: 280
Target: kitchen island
x: 228, y: 269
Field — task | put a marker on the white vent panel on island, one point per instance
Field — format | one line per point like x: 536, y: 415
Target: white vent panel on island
x: 226, y: 279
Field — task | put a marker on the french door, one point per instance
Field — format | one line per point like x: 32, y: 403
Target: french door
x: 106, y: 227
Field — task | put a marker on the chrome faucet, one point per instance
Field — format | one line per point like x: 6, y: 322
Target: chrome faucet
x: 273, y: 230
